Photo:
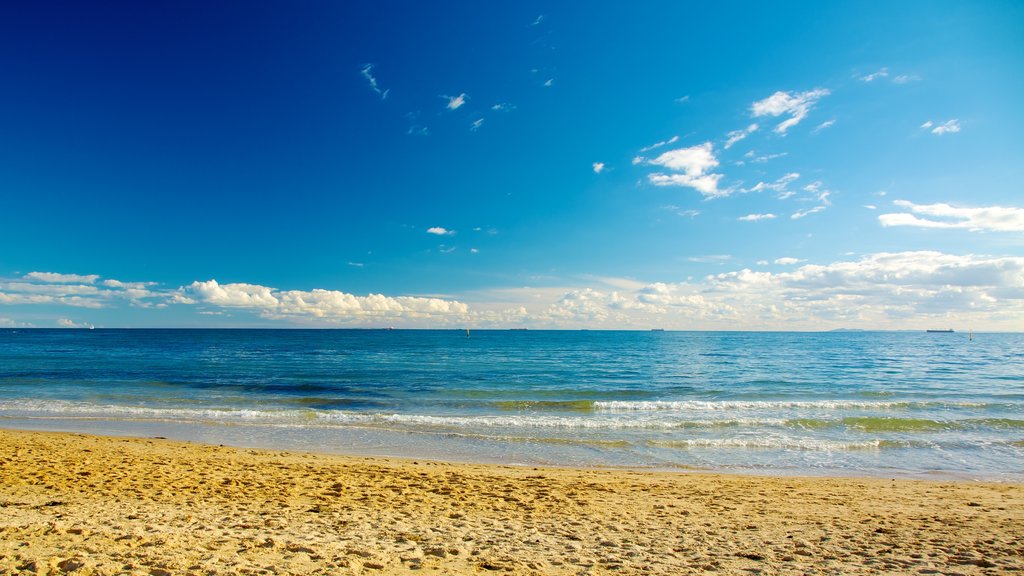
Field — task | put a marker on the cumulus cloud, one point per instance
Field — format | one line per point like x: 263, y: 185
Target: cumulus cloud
x: 884, y: 290
x: 78, y: 290
x: 796, y: 105
x: 598, y: 167
x: 990, y: 218
x: 737, y: 135
x: 331, y: 305
x: 68, y: 323
x: 692, y: 168
x: 755, y: 217
x: 367, y: 72
x: 440, y: 231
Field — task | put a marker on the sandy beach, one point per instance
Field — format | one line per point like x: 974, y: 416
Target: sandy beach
x: 72, y: 503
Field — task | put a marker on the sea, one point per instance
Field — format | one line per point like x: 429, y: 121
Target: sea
x: 877, y: 404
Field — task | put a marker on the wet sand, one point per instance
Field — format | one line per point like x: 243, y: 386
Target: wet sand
x: 71, y: 503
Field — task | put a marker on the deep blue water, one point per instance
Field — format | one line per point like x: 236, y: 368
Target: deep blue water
x: 864, y: 403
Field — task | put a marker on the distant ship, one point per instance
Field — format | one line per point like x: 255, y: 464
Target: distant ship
x: 657, y: 329
x: 946, y: 331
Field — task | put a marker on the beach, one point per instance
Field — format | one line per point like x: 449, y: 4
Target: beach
x: 83, y: 504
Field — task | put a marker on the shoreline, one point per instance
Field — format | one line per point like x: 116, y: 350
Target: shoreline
x: 102, y: 505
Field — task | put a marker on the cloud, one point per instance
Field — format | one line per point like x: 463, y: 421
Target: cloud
x: 503, y: 107
x: 692, y: 165
x: 598, y: 167
x: 549, y: 82
x: 755, y: 217
x: 67, y: 323
x: 787, y: 261
x: 947, y: 127
x: 795, y: 105
x: 710, y: 258
x: 823, y: 126
x: 991, y: 218
x: 53, y: 277
x: 476, y: 124
x: 440, y: 231
x: 78, y: 290
x: 682, y: 99
x: 657, y: 145
x: 456, y: 102
x: 538, y: 21
x: 737, y: 135
x: 367, y: 72
x: 330, y: 305
x: 884, y: 72
x: 816, y: 193
x: 779, y: 186
x: 905, y: 78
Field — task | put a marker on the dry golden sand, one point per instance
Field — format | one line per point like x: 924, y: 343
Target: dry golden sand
x: 95, y: 505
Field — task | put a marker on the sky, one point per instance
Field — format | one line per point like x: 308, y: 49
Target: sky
x: 676, y: 165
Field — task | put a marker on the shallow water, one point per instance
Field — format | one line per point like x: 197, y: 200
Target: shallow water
x: 871, y: 403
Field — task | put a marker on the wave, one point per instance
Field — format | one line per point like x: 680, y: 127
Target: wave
x: 763, y: 443
x: 720, y: 405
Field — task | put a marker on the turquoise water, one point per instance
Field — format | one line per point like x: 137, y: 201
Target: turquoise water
x: 871, y: 403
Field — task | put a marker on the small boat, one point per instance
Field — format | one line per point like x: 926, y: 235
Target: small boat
x: 946, y: 331
x: 657, y: 329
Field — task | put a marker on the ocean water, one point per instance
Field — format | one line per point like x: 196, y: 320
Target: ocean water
x: 904, y: 404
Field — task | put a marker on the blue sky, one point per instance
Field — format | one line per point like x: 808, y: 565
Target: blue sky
x: 738, y: 166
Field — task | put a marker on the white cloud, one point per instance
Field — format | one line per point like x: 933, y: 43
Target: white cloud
x: 538, y: 20
x: 598, y: 167
x: 367, y: 72
x: 54, y: 277
x: 816, y: 193
x: 737, y: 135
x: 990, y: 218
x: 503, y: 107
x: 440, y: 231
x: 779, y: 186
x: 884, y: 72
x: 476, y: 124
x: 795, y: 105
x: 823, y: 126
x: 657, y: 145
x: 549, y: 82
x: 356, y: 264
x: 871, y: 207
x: 692, y: 165
x: 682, y: 99
x: 710, y: 258
x: 905, y: 78
x: 456, y: 102
x: 787, y: 261
x: 947, y: 127
x: 330, y: 305
x: 755, y: 217
x: 67, y: 323
x: 474, y: 251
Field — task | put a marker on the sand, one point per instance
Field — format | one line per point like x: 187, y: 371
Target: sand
x: 72, y: 503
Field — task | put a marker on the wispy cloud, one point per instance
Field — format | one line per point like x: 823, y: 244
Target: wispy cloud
x: 80, y: 291
x: 883, y: 73
x: 779, y: 186
x: 598, y: 167
x: 710, y: 258
x: 737, y: 135
x: 947, y: 127
x: 990, y: 218
x: 657, y: 145
x: 682, y: 99
x: 905, y: 78
x: 549, y: 82
x: 503, y: 107
x: 692, y: 168
x: 367, y: 72
x: 456, y: 102
x: 794, y: 104
x: 57, y: 278
x: 538, y: 21
x: 476, y: 124
x: 823, y: 126
x: 755, y: 217
x: 818, y: 194
x: 440, y: 231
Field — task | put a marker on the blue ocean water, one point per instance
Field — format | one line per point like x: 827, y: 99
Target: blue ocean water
x: 840, y: 403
